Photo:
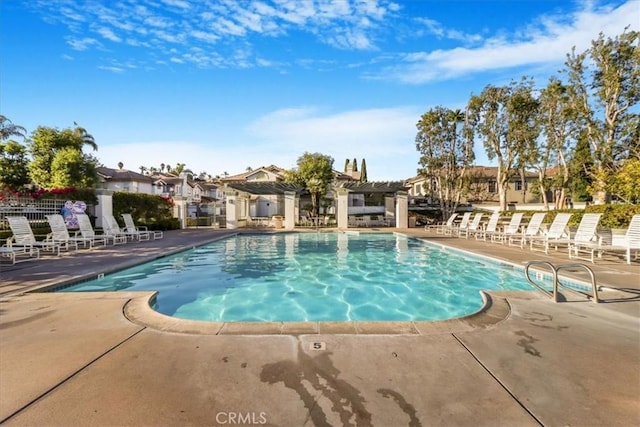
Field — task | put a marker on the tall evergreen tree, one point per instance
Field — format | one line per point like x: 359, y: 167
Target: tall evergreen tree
x: 581, y: 169
x: 363, y: 171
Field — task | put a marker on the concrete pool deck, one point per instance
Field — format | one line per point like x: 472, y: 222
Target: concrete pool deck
x: 97, y: 359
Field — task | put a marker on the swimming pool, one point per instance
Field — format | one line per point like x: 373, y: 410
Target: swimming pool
x: 315, y: 277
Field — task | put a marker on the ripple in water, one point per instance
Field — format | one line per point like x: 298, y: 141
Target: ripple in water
x: 315, y: 277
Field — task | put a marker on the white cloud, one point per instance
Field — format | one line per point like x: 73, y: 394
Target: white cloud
x: 109, y: 34
x: 384, y: 137
x: 376, y: 132
x: 545, y: 42
x: 82, y: 44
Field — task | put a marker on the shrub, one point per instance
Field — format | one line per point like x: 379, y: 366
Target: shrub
x: 147, y: 210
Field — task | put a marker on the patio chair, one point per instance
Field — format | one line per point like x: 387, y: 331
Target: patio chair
x: 111, y: 228
x: 60, y: 233
x: 131, y: 227
x: 455, y: 228
x: 532, y: 230
x: 440, y: 228
x: 23, y: 237
x: 512, y: 228
x: 557, y: 233
x: 472, y: 227
x: 13, y: 253
x: 586, y: 233
x: 629, y: 243
x: 490, y: 229
x: 87, y: 231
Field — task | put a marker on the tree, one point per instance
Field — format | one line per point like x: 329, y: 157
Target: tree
x: 499, y: 116
x: 315, y: 173
x: 120, y: 165
x: 603, y: 102
x: 14, y: 171
x: 445, y: 155
x: 180, y: 167
x: 523, y: 128
x: 555, y: 118
x: 48, y: 143
x: 363, y: 171
x: 625, y: 183
x: 486, y: 117
x: 8, y: 129
x: 355, y: 165
x: 346, y: 165
x: 69, y: 168
x: 580, y: 169
x: 143, y: 169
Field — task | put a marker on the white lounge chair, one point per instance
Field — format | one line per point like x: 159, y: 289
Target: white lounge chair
x: 472, y: 227
x: 585, y: 234
x: 556, y: 234
x: 131, y: 227
x: 490, y: 229
x: 23, y: 237
x: 630, y: 242
x: 512, y: 228
x: 441, y: 228
x: 464, y: 223
x: 532, y: 230
x: 60, y: 233
x: 87, y: 231
x: 16, y: 252
x: 111, y: 228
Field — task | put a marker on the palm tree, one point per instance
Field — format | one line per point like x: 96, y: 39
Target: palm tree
x: 8, y: 129
x: 143, y: 169
x: 86, y: 137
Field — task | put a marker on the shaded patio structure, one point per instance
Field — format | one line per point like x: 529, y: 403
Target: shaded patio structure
x: 278, y: 204
x: 262, y: 203
x: 392, y: 202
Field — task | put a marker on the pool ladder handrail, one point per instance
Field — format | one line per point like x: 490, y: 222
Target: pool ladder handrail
x: 556, y: 282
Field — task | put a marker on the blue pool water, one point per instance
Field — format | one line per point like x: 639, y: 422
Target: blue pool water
x: 315, y: 277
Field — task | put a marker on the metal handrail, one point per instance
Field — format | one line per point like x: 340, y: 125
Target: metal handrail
x: 556, y: 282
x: 589, y: 270
x: 540, y: 288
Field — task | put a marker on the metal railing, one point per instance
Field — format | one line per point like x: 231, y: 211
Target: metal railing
x: 556, y: 282
x: 36, y: 211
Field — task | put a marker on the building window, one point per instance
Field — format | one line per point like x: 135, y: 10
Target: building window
x: 518, y: 185
x: 493, y: 188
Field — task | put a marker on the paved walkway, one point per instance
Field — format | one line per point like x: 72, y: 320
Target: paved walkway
x: 102, y: 359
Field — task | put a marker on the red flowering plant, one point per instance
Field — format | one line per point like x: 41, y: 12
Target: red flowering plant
x: 86, y: 195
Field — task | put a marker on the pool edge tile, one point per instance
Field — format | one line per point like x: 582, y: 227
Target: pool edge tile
x: 249, y: 328
x: 386, y: 328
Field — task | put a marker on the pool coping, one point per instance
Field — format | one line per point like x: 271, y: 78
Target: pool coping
x: 495, y: 309
x: 139, y: 309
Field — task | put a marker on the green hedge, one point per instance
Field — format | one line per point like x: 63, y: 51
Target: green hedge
x: 613, y: 215
x: 147, y: 210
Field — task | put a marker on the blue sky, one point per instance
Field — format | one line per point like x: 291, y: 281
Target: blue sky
x: 224, y: 85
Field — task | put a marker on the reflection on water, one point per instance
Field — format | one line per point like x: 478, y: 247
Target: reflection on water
x: 314, y: 276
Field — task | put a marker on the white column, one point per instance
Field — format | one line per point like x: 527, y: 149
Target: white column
x: 290, y: 210
x: 232, y: 209
x: 180, y: 210
x: 104, y: 206
x: 342, y: 209
x: 389, y: 207
x: 402, y: 210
